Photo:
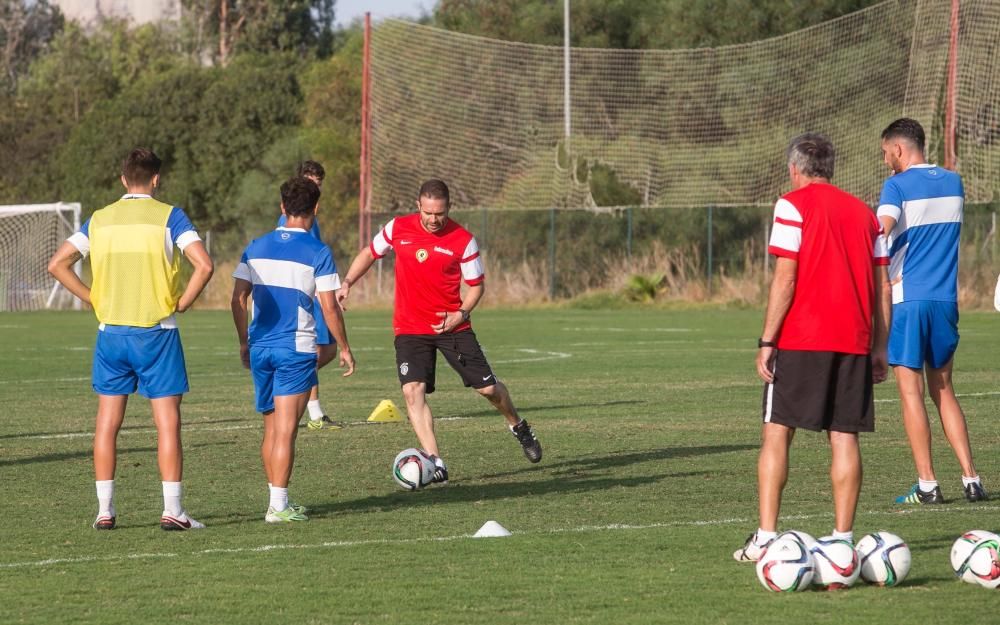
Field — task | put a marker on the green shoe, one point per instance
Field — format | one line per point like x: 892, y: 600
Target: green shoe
x: 288, y: 515
x: 296, y: 507
x: 919, y: 497
x: 325, y: 423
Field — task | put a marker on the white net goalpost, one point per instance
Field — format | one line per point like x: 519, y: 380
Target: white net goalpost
x: 29, y: 235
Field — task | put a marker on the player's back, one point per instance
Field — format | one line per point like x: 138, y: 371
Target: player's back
x: 835, y: 281
x: 927, y: 203
x: 283, y: 266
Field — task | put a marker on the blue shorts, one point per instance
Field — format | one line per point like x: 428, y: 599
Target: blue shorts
x: 323, y: 335
x: 280, y: 371
x: 151, y: 360
x: 923, y: 332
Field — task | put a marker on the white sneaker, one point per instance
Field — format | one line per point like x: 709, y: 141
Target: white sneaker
x: 179, y: 523
x: 750, y: 551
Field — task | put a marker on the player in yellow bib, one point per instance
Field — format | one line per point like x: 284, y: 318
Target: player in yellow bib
x: 133, y: 247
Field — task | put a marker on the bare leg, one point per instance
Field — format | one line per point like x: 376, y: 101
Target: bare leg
x: 285, y: 420
x: 942, y: 393
x: 498, y: 396
x: 110, y: 414
x: 324, y: 355
x: 267, y: 444
x: 167, y: 417
x: 772, y: 472
x: 415, y: 394
x: 911, y: 395
x: 845, y: 475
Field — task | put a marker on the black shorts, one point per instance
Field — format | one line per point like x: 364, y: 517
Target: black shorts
x: 821, y: 391
x: 416, y: 358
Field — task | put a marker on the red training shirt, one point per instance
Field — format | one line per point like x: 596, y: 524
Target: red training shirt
x: 429, y: 271
x: 836, y: 239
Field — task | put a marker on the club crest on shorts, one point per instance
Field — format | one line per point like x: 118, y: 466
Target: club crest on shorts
x: 404, y: 368
x: 422, y: 255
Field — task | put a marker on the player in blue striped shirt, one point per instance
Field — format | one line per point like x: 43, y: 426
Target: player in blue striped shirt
x: 921, y: 210
x: 283, y: 271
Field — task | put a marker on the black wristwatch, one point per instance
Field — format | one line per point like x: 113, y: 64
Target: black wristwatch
x: 464, y: 313
x: 763, y: 343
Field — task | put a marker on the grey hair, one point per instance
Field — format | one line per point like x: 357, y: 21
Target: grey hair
x: 812, y: 154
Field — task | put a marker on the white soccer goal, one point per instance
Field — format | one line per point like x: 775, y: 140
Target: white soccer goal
x: 29, y: 235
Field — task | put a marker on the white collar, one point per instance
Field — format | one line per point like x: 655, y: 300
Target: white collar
x: 286, y: 229
x: 136, y: 196
x: 922, y: 166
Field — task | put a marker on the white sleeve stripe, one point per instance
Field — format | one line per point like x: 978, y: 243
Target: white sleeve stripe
x: 80, y: 241
x: 329, y: 282
x: 888, y: 210
x: 380, y: 245
x: 881, y: 247
x: 786, y: 210
x: 472, y: 249
x: 242, y: 272
x: 786, y: 237
x: 472, y: 269
x: 187, y: 238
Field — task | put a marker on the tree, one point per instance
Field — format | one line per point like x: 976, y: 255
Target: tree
x: 222, y: 28
x: 26, y: 28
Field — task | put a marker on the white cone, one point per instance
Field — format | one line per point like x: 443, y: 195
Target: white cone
x: 491, y: 529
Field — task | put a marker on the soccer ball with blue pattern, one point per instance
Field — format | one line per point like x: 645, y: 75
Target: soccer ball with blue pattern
x: 885, y: 558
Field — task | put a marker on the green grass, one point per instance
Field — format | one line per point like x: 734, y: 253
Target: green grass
x: 650, y: 424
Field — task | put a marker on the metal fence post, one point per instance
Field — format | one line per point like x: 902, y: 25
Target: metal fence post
x: 628, y: 231
x: 552, y: 253
x: 710, y: 250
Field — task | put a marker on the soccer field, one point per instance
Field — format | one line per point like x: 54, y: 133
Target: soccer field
x: 649, y: 420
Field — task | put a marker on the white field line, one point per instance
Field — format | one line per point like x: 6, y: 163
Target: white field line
x: 538, y: 356
x: 614, y: 527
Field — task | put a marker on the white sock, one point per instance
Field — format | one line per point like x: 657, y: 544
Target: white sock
x: 848, y: 536
x: 763, y: 536
x: 315, y: 412
x: 927, y: 486
x: 105, y: 497
x: 279, y: 498
x: 970, y: 480
x: 172, y: 498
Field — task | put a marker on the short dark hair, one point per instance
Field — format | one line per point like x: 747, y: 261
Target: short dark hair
x: 299, y: 196
x: 311, y: 169
x: 813, y: 155
x: 906, y: 128
x: 436, y: 190
x: 140, y: 166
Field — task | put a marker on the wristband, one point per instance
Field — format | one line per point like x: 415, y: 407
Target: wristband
x: 464, y: 313
x: 763, y: 343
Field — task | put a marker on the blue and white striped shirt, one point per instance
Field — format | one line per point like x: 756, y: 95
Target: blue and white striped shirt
x: 287, y: 267
x: 927, y: 202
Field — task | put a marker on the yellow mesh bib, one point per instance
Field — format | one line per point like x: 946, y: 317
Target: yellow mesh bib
x: 134, y: 263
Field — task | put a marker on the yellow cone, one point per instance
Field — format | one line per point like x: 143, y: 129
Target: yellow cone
x: 386, y: 412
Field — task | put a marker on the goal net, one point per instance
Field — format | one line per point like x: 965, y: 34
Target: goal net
x: 29, y: 236
x: 674, y: 128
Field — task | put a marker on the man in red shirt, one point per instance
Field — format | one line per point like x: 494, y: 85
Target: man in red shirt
x: 434, y: 256
x: 819, y: 353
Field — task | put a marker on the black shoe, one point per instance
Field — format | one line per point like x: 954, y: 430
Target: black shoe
x: 440, y: 475
x: 917, y: 496
x: 974, y: 492
x: 529, y: 444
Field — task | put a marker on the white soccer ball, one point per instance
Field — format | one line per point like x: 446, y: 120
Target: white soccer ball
x: 981, y: 564
x: 412, y: 469
x: 806, y: 539
x: 837, y: 564
x: 962, y: 549
x: 885, y: 558
x: 786, y: 566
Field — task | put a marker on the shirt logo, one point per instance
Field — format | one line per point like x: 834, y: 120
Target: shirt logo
x: 285, y: 236
x: 403, y: 368
x: 443, y: 251
x: 405, y: 242
x: 422, y: 255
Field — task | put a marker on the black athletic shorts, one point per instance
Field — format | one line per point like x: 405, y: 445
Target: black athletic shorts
x: 416, y: 358
x: 821, y: 391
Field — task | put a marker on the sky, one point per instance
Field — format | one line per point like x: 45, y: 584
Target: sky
x: 348, y: 10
